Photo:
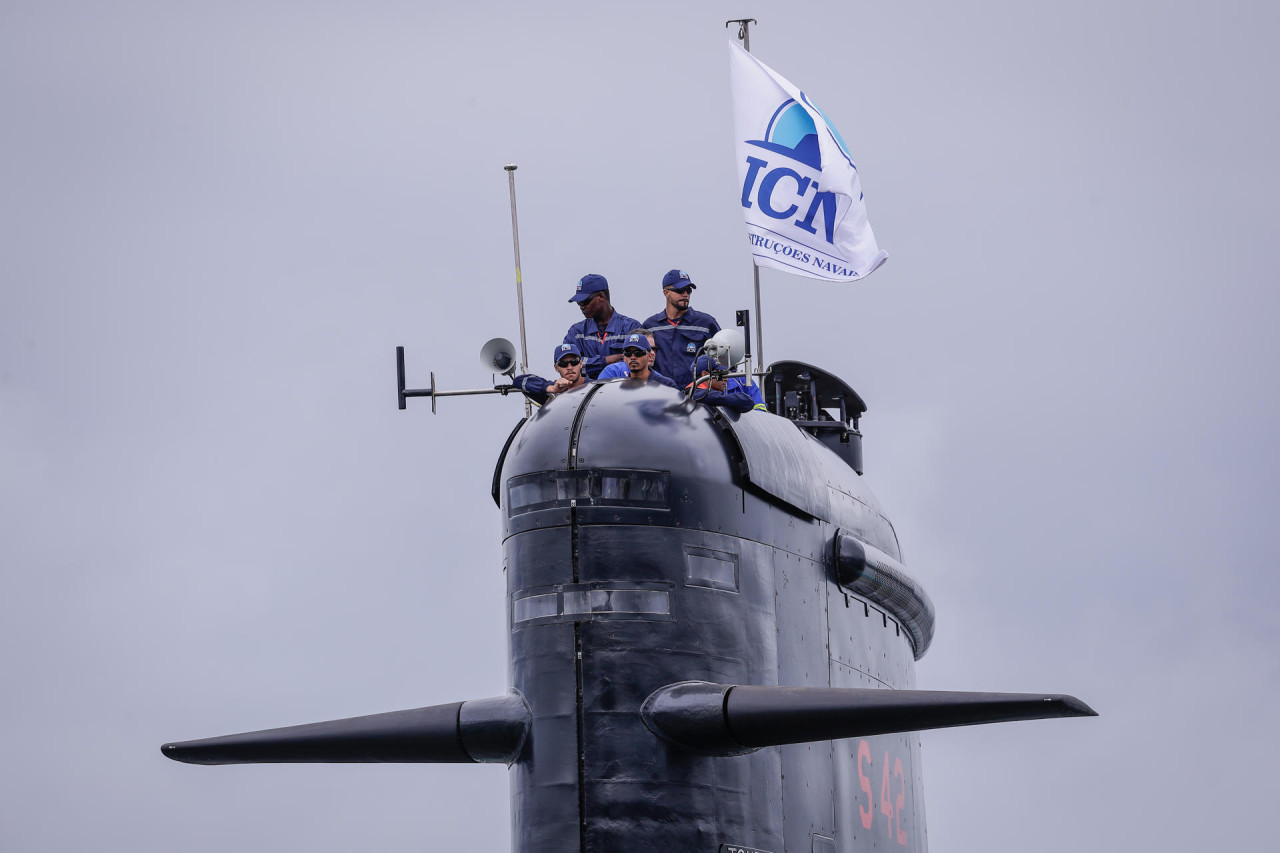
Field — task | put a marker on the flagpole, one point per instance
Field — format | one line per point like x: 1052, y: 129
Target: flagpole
x: 744, y: 36
x: 515, y: 239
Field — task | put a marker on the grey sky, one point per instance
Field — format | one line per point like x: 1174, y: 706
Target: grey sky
x: 219, y: 220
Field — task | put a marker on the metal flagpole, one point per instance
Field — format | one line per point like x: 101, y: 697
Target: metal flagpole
x: 515, y: 239
x: 744, y: 36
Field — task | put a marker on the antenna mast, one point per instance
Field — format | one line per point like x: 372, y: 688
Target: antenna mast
x: 744, y: 36
x: 515, y: 239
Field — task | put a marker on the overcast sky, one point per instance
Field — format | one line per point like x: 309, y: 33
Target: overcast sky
x: 217, y: 220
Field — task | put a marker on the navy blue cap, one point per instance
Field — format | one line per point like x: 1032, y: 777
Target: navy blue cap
x: 705, y: 364
x: 677, y: 278
x: 589, y: 285
x: 565, y: 349
x: 637, y: 340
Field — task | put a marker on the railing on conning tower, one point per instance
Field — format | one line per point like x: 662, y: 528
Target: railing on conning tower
x: 819, y: 403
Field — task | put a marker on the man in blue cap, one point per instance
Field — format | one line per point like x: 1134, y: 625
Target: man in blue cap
x: 568, y: 363
x: 618, y: 370
x: 679, y: 331
x: 599, y: 336
x: 636, y: 351
x: 732, y: 393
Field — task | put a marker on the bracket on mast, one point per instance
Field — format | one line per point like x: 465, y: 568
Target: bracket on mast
x: 744, y: 35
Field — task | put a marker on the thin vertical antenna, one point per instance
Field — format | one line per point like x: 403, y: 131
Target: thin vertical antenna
x: 515, y: 239
x: 744, y: 36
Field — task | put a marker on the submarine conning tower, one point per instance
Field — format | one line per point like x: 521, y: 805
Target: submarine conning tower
x: 651, y: 541
x: 712, y: 637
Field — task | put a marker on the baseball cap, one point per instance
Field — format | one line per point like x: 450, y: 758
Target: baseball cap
x: 706, y: 364
x: 677, y: 278
x: 636, y: 340
x: 565, y: 349
x: 589, y: 285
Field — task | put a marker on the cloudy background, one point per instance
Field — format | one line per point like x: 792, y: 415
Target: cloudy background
x: 217, y: 220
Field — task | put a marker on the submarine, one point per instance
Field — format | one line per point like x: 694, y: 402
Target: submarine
x: 712, y: 635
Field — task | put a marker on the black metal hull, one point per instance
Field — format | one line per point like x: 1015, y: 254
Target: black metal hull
x: 751, y: 599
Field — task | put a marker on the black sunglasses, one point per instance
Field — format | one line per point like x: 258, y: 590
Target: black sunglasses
x: 632, y: 352
x: 683, y: 291
x: 571, y: 361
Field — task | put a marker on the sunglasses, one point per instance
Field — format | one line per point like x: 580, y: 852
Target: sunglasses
x: 569, y: 362
x: 683, y: 291
x: 632, y: 352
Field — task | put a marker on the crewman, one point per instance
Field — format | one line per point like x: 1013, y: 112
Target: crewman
x: 636, y: 350
x: 618, y: 370
x: 599, y: 336
x: 568, y: 362
x: 679, y: 331
x: 733, y: 392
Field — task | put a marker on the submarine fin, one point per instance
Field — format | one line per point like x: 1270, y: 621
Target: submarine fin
x: 721, y: 719
x: 481, y: 730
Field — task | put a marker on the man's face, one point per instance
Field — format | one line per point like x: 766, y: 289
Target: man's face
x: 569, y: 368
x: 678, y: 297
x: 637, y: 360
x: 594, y: 305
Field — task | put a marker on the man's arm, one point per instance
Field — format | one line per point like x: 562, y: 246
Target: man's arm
x: 739, y: 401
x: 625, y: 326
x: 614, y: 371
x: 750, y: 389
x: 534, y: 387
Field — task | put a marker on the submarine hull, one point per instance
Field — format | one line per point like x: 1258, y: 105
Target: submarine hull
x: 648, y: 542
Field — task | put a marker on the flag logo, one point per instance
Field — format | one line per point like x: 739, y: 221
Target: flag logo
x: 792, y: 133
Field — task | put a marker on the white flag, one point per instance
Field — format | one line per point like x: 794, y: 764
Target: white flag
x: 800, y: 190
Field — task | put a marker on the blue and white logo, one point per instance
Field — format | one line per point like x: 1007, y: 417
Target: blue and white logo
x: 691, y: 347
x: 792, y: 133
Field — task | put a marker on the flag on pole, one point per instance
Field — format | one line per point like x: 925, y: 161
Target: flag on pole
x: 801, y: 194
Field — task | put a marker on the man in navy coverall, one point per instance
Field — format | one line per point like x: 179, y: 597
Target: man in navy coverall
x: 599, y: 336
x: 734, y: 393
x: 679, y: 331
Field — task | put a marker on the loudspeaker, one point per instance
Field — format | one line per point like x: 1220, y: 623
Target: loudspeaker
x: 728, y: 346
x: 499, y: 356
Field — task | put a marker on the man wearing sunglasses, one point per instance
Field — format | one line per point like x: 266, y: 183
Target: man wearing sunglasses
x: 715, y: 390
x: 636, y: 351
x: 618, y: 370
x: 599, y: 336
x: 679, y: 331
x: 568, y: 363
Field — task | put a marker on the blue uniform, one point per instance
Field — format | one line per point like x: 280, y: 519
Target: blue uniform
x: 757, y: 399
x: 678, y: 341
x: 618, y: 370
x: 595, y: 343
x: 534, y: 387
x: 739, y: 394
x: 655, y: 376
